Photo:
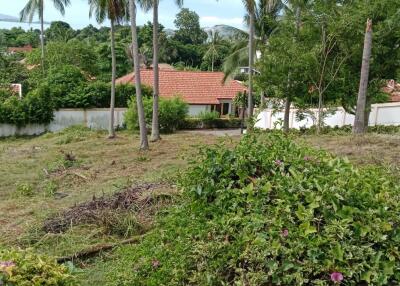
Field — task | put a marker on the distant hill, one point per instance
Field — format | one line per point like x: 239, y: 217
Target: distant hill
x: 225, y: 31
x: 12, y: 19
x: 8, y: 18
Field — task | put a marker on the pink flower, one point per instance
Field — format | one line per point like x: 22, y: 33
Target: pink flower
x: 285, y: 233
x: 6, y: 264
x: 155, y: 263
x: 306, y: 158
x: 278, y: 162
x: 337, y: 277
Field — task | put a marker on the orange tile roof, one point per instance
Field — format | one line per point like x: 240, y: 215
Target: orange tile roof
x: 27, y: 48
x: 193, y: 86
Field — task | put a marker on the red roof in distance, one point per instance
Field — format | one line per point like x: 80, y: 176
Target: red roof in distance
x: 25, y: 49
x: 195, y: 87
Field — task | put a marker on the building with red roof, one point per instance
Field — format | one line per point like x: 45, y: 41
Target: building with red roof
x: 24, y: 49
x: 203, y: 91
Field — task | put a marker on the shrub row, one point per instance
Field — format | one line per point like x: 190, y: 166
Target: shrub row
x: 271, y: 212
x: 198, y: 123
x: 346, y: 129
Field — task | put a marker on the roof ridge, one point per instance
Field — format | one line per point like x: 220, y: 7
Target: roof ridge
x: 169, y: 70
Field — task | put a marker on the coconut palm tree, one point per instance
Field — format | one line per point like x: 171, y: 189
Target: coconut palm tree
x: 214, y: 44
x: 144, y: 143
x: 251, y: 7
x: 147, y: 5
x: 262, y: 21
x: 296, y: 8
x: 34, y: 7
x: 115, y: 11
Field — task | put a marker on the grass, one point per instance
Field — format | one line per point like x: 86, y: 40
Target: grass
x: 42, y: 176
x: 372, y: 149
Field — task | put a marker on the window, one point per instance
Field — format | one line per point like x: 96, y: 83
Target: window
x: 225, y: 108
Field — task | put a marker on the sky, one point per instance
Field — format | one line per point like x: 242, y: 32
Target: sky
x: 211, y: 12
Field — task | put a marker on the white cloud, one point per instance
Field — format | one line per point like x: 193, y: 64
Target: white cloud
x: 213, y: 20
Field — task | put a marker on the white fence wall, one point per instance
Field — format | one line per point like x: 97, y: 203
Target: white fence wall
x: 381, y: 114
x: 93, y: 118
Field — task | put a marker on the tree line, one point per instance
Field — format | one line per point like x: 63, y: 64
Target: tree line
x: 305, y: 53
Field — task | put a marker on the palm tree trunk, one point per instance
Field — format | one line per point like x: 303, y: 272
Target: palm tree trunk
x: 155, y: 130
x: 111, y: 130
x: 320, y: 108
x: 286, y: 117
x: 144, y: 144
x: 251, y: 66
x: 262, y: 101
x: 41, y: 8
x: 360, y: 121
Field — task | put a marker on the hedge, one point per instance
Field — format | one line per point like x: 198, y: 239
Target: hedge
x: 197, y: 123
x: 36, y: 107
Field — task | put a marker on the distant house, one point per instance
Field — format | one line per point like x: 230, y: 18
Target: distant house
x: 203, y: 91
x: 24, y: 49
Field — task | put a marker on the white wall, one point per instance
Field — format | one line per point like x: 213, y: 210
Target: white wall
x: 93, y: 118
x: 196, y: 109
x: 381, y: 114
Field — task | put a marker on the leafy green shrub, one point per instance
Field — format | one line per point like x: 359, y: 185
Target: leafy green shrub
x: 271, y: 212
x: 172, y: 113
x: 24, y: 268
x: 97, y: 94
x: 63, y: 81
x: 36, y: 107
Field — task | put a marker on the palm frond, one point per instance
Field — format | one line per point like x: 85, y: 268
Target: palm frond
x: 237, y: 58
x: 30, y: 10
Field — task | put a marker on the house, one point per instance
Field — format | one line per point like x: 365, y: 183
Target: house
x: 203, y: 91
x: 24, y: 49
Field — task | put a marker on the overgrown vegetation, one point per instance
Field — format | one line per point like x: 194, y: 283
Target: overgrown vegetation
x: 271, y: 212
x: 25, y: 268
x: 172, y: 113
x: 36, y: 107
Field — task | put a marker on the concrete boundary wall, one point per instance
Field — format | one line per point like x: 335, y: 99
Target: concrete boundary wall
x: 381, y: 114
x: 97, y: 118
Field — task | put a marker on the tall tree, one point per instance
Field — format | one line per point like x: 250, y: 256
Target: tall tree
x: 214, y: 44
x: 34, y: 7
x: 251, y: 8
x: 360, y: 121
x: 155, y: 126
x: 115, y: 11
x: 144, y: 143
x: 295, y: 8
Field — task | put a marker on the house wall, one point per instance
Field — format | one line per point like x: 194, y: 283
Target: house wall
x: 196, y: 109
x: 381, y: 114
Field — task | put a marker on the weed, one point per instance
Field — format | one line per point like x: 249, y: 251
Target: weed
x: 24, y: 190
x: 50, y: 188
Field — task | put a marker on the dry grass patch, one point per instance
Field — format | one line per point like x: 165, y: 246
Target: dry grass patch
x: 42, y: 176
